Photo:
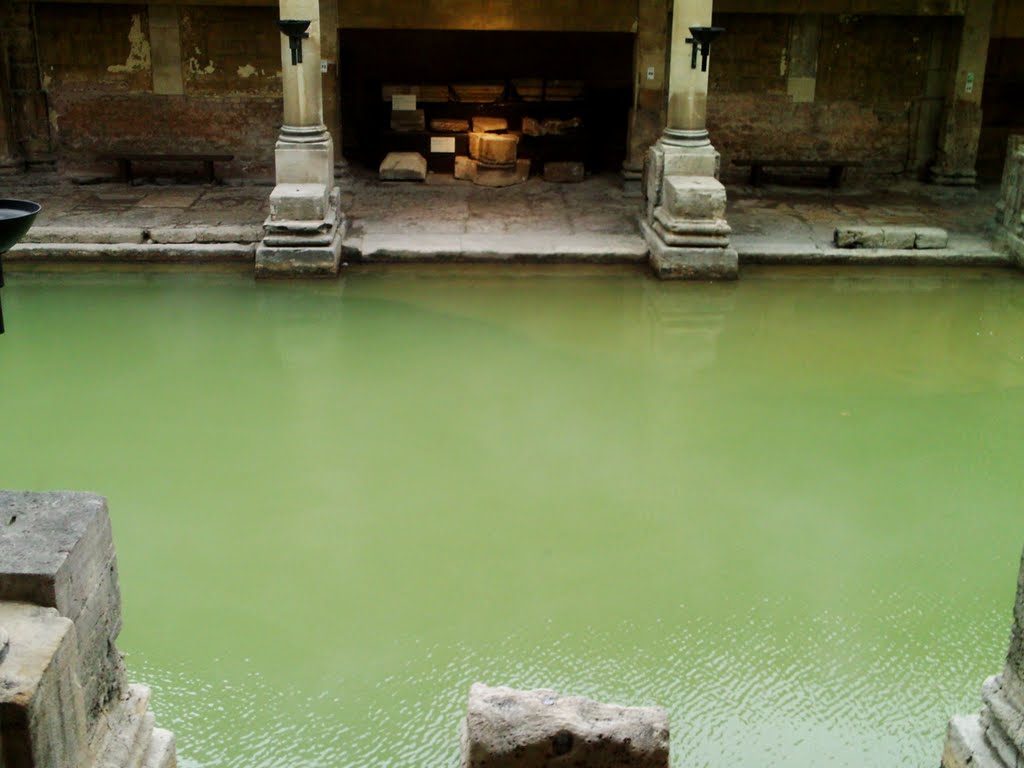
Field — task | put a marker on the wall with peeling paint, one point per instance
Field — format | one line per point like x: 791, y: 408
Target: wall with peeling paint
x: 99, y: 83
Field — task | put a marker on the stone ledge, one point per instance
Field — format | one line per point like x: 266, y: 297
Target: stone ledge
x: 213, y: 253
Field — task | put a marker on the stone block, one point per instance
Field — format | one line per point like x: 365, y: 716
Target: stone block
x: 55, y: 550
x: 299, y: 202
x: 408, y: 120
x: 493, y: 148
x: 403, y: 166
x: 304, y: 162
x: 702, y: 161
x: 489, y: 124
x: 532, y: 127
x: 465, y: 168
x: 42, y: 719
x: 898, y: 238
x: 859, y: 237
x: 564, y: 172
x: 449, y: 125
x: 552, y: 127
x: 506, y: 728
x: 931, y: 237
x: 693, y: 197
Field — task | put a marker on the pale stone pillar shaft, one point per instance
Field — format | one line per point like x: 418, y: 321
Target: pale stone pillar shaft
x: 688, y: 87
x: 958, y: 143
x: 303, y: 97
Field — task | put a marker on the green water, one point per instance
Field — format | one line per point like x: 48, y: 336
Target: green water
x: 787, y: 509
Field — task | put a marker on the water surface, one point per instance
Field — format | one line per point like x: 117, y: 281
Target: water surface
x: 786, y: 509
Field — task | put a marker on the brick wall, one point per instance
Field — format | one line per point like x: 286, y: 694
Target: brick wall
x: 100, y: 87
x: 872, y: 73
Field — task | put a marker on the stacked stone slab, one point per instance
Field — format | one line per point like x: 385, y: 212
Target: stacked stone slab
x: 995, y: 737
x: 493, y: 159
x: 63, y: 696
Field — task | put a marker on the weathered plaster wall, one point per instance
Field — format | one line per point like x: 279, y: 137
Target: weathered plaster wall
x: 199, y: 78
x: 860, y: 99
x: 525, y: 15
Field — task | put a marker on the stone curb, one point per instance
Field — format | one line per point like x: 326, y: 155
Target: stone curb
x: 810, y: 255
x: 171, y: 235
x: 208, y: 253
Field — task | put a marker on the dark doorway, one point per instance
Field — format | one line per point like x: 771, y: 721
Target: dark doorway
x: 566, y: 77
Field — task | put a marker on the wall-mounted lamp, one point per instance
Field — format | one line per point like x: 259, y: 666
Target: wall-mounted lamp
x: 16, y: 216
x: 703, y: 37
x: 295, y: 29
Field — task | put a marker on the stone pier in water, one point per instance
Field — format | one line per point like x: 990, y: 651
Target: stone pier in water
x: 994, y: 738
x: 64, y: 698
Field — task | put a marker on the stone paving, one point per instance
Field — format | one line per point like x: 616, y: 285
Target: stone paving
x: 445, y: 219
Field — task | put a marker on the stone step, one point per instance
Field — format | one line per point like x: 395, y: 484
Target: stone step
x: 154, y: 253
x: 161, y: 753
x: 891, y: 237
x: 120, y: 728
x: 142, y: 742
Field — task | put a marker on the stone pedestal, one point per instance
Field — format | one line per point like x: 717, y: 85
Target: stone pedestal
x: 995, y: 737
x: 684, y: 214
x: 305, y: 228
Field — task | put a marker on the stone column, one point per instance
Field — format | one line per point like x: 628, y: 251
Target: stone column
x: 684, y: 221
x: 961, y: 127
x: 305, y: 227
x: 10, y: 161
x: 650, y: 78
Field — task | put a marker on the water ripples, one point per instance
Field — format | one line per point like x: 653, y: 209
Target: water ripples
x: 828, y: 688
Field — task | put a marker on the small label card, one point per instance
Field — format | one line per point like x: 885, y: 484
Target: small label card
x: 401, y: 102
x: 442, y: 145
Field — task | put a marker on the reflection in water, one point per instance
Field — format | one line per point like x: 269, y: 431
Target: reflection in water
x: 784, y: 508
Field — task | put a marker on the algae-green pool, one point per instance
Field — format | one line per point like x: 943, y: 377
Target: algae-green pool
x: 787, y: 509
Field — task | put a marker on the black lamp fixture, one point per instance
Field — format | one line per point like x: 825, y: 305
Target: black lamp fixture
x: 16, y: 216
x: 703, y: 37
x: 295, y: 30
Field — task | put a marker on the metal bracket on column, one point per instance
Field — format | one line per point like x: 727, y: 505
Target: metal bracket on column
x: 295, y: 30
x: 703, y: 37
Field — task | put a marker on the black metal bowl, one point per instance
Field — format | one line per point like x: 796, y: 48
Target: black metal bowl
x: 16, y: 216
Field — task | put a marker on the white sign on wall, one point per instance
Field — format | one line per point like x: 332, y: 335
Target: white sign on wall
x: 442, y: 145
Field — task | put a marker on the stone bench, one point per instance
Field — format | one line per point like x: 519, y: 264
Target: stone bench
x: 835, y: 168
x: 124, y: 162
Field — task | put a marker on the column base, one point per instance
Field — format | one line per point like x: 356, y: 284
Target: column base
x: 689, y: 263
x: 670, y: 160
x: 632, y: 181
x: 953, y: 178
x: 303, y: 248
x: 304, y: 156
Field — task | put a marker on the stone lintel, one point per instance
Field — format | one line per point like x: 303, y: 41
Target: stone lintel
x: 690, y: 263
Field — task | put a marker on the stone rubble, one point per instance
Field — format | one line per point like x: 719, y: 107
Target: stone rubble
x: 506, y: 728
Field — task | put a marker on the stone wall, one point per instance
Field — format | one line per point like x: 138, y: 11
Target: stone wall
x: 522, y: 15
x: 869, y: 90
x: 161, y: 79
